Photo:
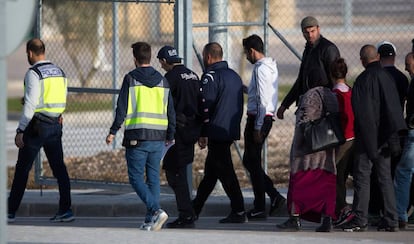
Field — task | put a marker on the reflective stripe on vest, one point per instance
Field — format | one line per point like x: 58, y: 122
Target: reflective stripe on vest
x: 147, y: 107
x: 53, y: 90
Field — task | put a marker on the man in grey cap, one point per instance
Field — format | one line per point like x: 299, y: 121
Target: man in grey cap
x: 319, y: 54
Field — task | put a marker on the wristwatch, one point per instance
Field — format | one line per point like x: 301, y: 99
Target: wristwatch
x: 18, y: 130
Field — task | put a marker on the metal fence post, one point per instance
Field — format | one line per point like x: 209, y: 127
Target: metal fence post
x: 115, y: 58
x: 218, y: 14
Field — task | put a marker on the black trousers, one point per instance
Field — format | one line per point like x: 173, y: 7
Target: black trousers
x: 376, y: 206
x: 362, y: 172
x: 37, y: 135
x: 344, y: 161
x: 219, y: 166
x: 177, y: 180
x: 252, y: 161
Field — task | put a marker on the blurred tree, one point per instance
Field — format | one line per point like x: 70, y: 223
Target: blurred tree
x: 81, y: 25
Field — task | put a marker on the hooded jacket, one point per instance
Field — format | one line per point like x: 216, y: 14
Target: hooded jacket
x: 149, y: 77
x: 262, y: 90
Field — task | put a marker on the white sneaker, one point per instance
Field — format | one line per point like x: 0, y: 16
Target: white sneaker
x: 158, y: 219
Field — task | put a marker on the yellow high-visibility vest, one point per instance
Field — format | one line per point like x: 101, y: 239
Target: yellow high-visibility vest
x: 147, y: 107
x: 53, y: 89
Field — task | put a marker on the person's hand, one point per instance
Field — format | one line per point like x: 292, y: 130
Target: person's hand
x: 109, y: 139
x: 202, y: 142
x: 257, y: 136
x: 18, y: 140
x: 169, y: 142
x: 280, y: 112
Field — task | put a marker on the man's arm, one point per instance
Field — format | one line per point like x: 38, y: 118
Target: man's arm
x: 31, y: 97
x: 288, y: 100
x: 121, y: 107
x: 208, y: 96
x: 171, y: 118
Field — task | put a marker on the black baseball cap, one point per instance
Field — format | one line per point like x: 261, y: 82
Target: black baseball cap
x: 169, y: 53
x: 386, y: 49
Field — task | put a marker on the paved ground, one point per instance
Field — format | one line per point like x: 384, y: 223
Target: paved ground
x: 109, y: 217
x: 124, y: 230
x: 113, y: 217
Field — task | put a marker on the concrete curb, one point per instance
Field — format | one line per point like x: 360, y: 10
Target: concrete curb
x: 101, y: 203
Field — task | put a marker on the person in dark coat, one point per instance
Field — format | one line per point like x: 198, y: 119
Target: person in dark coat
x: 387, y: 52
x: 184, y: 87
x: 319, y: 54
x: 378, y: 115
x: 222, y: 108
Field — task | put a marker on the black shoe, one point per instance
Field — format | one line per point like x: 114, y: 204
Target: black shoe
x: 11, y: 218
x: 181, y: 223
x: 196, y: 211
x: 384, y: 226
x: 292, y: 224
x: 326, y: 225
x: 354, y: 226
x: 254, y: 214
x: 374, y: 219
x: 402, y: 225
x: 276, y: 204
x: 234, y: 218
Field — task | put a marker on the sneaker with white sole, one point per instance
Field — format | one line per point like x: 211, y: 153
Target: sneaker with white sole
x: 146, y: 226
x: 354, y: 226
x: 11, y: 218
x: 158, y: 219
x: 63, y: 217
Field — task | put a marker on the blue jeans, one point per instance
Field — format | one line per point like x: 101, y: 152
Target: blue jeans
x: 144, y: 160
x: 403, y: 175
x: 40, y: 134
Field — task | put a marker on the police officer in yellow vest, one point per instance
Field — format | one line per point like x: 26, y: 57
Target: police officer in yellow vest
x: 40, y: 125
x: 145, y: 104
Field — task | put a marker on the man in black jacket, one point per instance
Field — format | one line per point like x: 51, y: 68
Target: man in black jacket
x: 387, y: 52
x: 319, y: 54
x: 377, y: 116
x: 184, y: 87
x: 222, y: 109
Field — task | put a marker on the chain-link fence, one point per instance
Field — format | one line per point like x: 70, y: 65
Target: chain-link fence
x: 91, y: 41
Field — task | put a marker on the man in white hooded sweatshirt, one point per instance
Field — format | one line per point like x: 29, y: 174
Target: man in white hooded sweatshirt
x: 261, y: 106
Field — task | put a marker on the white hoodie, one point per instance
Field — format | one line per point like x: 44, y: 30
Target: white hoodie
x: 262, y: 91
